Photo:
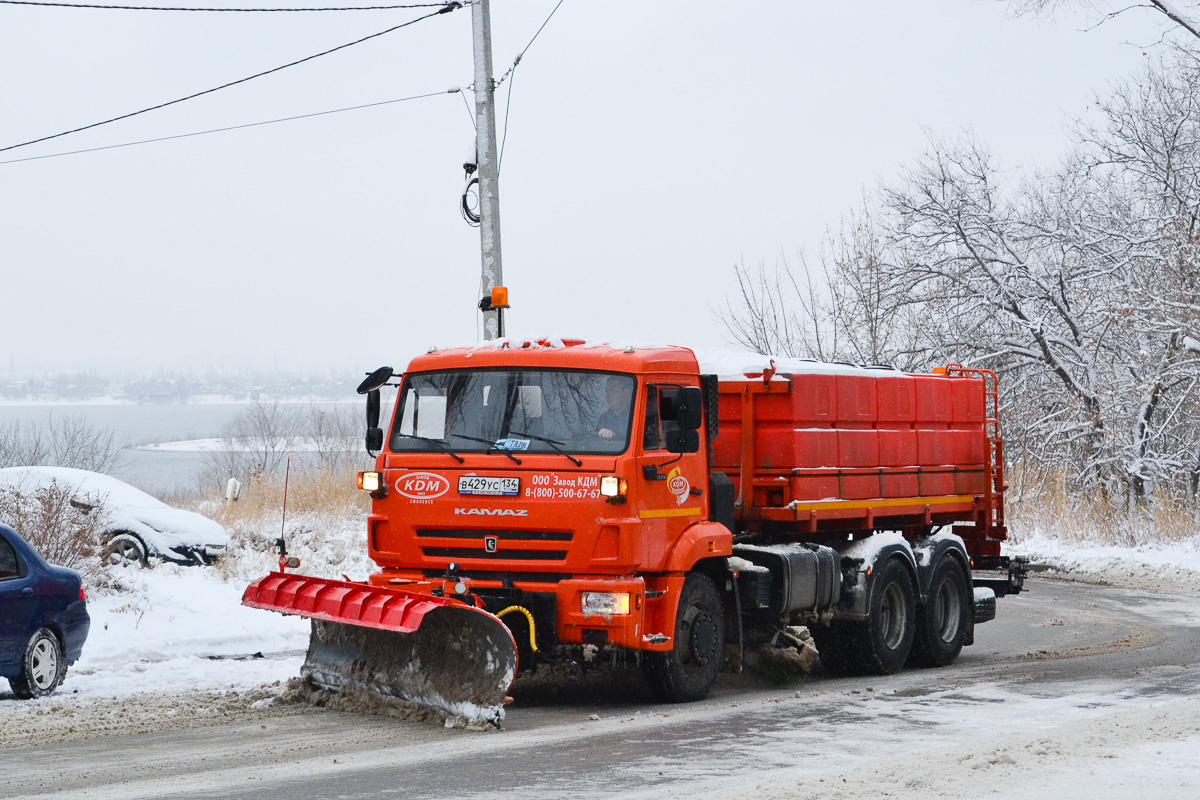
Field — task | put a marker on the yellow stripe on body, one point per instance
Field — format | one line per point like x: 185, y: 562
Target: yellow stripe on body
x: 659, y: 513
x: 890, y: 502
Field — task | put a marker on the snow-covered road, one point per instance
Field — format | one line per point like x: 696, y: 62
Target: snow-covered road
x: 1074, y: 688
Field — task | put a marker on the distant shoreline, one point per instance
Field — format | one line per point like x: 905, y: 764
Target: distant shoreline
x: 198, y: 400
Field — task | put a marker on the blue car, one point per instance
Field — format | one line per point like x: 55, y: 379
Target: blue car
x: 43, y: 618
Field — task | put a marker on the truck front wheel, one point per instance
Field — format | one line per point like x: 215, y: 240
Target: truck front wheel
x: 688, y: 671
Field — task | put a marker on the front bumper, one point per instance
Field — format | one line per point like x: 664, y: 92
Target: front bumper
x: 196, y: 554
x: 649, y: 625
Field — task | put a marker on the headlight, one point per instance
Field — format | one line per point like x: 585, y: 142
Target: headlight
x: 370, y: 481
x: 612, y: 486
x: 605, y: 603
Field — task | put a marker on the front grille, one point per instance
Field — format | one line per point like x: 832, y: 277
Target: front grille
x: 508, y: 536
x: 470, y: 543
x: 507, y: 555
x: 501, y: 577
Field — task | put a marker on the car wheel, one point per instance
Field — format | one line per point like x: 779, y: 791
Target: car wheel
x: 125, y: 548
x: 688, y: 671
x: 42, y: 667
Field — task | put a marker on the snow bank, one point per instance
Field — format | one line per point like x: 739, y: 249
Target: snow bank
x: 1150, y: 566
x: 172, y: 629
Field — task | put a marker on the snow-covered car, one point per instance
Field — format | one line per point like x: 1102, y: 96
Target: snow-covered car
x: 136, y: 527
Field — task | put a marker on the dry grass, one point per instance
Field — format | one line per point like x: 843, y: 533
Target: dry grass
x: 308, y: 492
x: 63, y: 533
x: 326, y: 524
x: 1054, y: 510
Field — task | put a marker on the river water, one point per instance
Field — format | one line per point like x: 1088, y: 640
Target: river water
x: 158, y: 472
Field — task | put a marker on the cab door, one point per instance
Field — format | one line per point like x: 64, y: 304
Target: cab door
x: 671, y: 493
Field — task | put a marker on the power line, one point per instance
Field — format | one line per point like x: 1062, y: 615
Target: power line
x: 509, y: 74
x: 213, y: 10
x: 232, y: 127
x: 444, y: 9
x: 521, y: 54
x: 504, y: 136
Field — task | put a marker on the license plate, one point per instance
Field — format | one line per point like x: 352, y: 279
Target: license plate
x: 476, y: 484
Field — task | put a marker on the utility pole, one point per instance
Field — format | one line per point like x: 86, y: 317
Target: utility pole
x: 488, y: 168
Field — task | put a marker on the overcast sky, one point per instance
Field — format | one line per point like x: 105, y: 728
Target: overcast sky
x: 651, y: 145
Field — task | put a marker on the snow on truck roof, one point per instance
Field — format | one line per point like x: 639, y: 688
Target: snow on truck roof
x: 554, y: 352
x: 632, y: 356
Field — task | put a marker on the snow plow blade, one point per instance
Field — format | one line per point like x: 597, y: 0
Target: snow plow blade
x: 434, y: 651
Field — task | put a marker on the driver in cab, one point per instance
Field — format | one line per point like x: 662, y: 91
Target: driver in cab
x: 615, y: 420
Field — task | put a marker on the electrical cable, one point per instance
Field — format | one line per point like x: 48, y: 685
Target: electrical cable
x: 470, y: 113
x: 470, y: 214
x: 464, y: 204
x: 504, y: 136
x: 214, y: 10
x: 511, y: 74
x: 232, y: 127
x: 517, y: 60
x: 444, y: 9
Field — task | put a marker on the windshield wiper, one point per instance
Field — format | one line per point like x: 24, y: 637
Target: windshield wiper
x: 438, y: 443
x: 488, y: 442
x: 552, y: 443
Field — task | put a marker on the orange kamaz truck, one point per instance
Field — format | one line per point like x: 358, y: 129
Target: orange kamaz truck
x: 549, y: 499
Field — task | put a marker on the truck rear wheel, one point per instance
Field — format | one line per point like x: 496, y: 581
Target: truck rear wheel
x: 943, y: 621
x: 891, y: 620
x: 688, y: 671
x: 882, y: 644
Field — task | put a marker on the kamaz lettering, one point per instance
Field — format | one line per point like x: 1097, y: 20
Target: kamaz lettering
x: 493, y: 512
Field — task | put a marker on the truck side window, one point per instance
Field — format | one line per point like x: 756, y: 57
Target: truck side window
x: 651, y: 440
x: 660, y: 415
x: 668, y: 399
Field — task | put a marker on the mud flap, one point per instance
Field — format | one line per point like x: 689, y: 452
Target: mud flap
x: 460, y: 660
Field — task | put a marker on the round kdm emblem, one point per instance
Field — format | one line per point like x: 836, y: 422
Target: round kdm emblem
x: 678, y: 486
x: 422, y: 485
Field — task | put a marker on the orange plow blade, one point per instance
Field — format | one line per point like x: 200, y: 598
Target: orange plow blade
x: 434, y: 651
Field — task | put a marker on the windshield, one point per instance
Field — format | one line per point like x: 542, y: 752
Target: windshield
x: 526, y: 411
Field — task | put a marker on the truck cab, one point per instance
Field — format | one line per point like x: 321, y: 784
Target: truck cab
x: 565, y: 485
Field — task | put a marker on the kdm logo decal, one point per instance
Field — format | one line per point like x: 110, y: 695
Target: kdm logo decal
x: 422, y: 485
x: 678, y: 485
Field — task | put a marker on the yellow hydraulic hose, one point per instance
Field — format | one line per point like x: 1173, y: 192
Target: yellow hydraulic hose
x: 528, y: 616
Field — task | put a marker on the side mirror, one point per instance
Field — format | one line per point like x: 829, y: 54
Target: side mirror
x: 373, y: 408
x: 682, y: 441
x: 689, y: 411
x: 376, y: 379
x: 374, y: 432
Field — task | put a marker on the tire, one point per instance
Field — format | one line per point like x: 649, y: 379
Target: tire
x: 945, y: 619
x: 688, y: 671
x: 125, y: 548
x: 838, y: 646
x: 42, y: 667
x: 891, y: 621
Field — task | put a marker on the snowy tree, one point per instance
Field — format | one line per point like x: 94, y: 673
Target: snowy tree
x: 1182, y: 15
x: 847, y: 307
x: 1078, y: 284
